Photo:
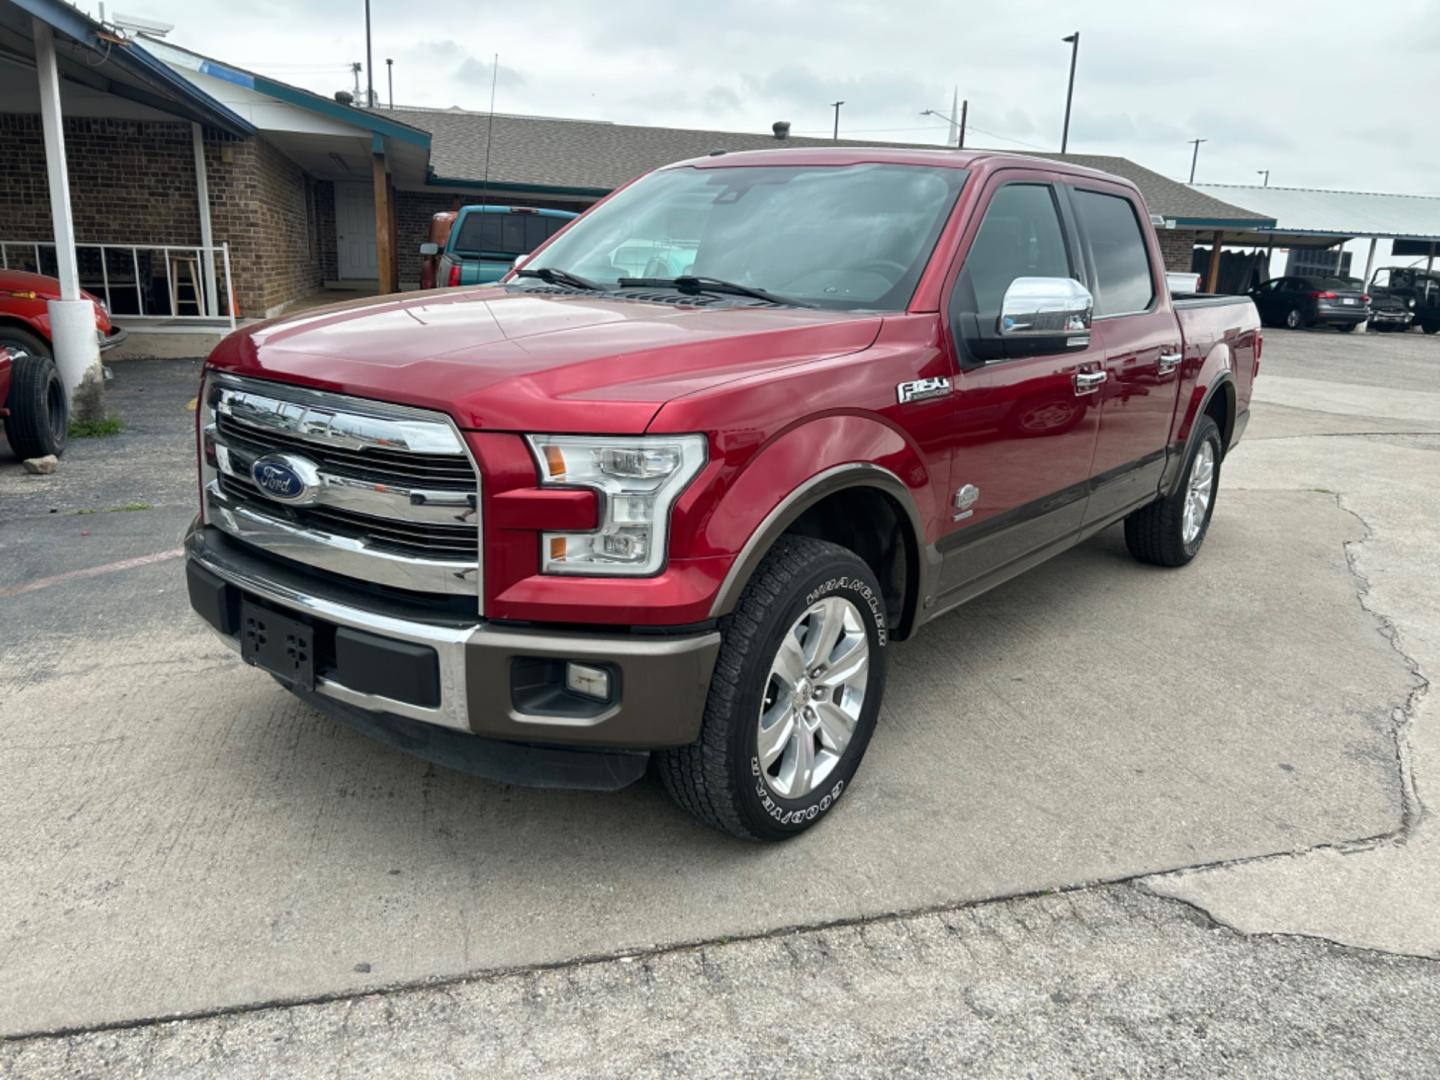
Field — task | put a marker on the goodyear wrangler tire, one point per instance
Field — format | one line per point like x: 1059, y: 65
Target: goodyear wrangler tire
x: 794, y: 697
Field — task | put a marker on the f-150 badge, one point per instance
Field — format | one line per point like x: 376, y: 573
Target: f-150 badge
x: 920, y: 389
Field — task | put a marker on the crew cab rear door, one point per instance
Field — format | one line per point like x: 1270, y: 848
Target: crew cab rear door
x: 1025, y: 426
x: 1137, y: 329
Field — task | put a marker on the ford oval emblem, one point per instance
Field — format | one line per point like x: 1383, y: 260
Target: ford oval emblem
x: 286, y: 478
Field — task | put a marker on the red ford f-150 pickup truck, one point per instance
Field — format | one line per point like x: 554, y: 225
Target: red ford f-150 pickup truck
x: 551, y: 529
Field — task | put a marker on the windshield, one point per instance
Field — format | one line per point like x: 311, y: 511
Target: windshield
x: 847, y: 237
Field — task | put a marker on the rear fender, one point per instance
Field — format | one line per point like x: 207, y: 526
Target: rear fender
x: 1215, y: 375
x: 802, y: 467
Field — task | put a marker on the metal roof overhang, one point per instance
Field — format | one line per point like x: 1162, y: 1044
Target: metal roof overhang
x: 123, y: 70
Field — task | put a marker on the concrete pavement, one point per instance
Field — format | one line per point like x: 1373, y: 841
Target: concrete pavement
x: 192, y: 842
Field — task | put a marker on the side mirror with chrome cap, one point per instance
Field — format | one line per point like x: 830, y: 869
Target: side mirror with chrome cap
x: 429, y: 248
x: 1038, y: 315
x: 1044, y: 307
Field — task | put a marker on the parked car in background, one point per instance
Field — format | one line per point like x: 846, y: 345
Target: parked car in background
x: 1389, y: 312
x: 32, y: 404
x: 25, y: 313
x: 546, y: 529
x: 1298, y: 302
x: 485, y: 241
x: 1418, y: 289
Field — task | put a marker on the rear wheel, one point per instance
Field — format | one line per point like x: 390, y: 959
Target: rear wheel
x: 1346, y: 328
x: 1430, y: 328
x: 39, y: 420
x: 1169, y: 532
x: 794, y: 696
x: 1295, y: 319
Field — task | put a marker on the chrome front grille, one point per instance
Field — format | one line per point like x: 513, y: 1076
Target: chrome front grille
x: 382, y: 493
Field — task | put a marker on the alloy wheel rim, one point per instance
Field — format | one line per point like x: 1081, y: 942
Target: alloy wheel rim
x: 1198, y: 491
x: 813, y: 697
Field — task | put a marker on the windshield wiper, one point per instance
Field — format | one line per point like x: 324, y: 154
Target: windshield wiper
x: 692, y: 283
x: 554, y: 276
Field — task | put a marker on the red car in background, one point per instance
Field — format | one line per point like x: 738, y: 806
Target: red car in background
x: 32, y: 397
x: 25, y: 313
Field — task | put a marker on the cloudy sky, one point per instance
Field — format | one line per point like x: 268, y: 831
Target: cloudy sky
x: 1333, y: 99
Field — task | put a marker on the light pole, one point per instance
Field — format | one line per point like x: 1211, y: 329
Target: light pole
x: 1265, y: 173
x: 957, y: 128
x: 1195, y: 156
x: 369, y: 63
x: 390, y: 78
x: 1074, y: 42
x: 836, y: 106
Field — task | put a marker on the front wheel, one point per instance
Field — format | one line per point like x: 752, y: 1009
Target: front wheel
x: 794, y: 696
x: 1169, y: 532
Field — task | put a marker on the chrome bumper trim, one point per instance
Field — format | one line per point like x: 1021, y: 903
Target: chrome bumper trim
x: 448, y: 642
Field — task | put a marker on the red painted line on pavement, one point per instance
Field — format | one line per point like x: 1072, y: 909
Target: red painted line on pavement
x: 93, y: 571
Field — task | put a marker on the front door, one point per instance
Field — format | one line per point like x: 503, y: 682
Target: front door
x: 1025, y: 427
x: 1136, y: 326
x: 355, y: 232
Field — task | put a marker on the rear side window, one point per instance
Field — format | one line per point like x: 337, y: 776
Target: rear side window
x: 1020, y: 236
x: 505, y: 234
x: 1124, y: 284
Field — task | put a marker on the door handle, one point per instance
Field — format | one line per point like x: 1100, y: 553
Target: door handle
x: 1088, y: 382
x: 1168, y: 362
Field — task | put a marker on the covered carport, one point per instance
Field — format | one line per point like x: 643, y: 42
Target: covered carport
x: 59, y: 60
x: 1320, y: 219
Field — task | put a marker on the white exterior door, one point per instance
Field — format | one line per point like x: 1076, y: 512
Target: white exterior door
x: 355, y: 231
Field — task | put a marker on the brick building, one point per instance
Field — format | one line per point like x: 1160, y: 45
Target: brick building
x: 305, y: 191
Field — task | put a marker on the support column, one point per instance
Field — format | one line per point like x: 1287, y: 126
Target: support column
x: 1212, y: 276
x: 72, y: 319
x: 207, y: 235
x: 384, y: 222
x: 1369, y: 266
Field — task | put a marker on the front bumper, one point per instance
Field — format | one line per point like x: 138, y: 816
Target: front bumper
x: 484, y: 679
x: 1399, y: 318
x: 116, y: 336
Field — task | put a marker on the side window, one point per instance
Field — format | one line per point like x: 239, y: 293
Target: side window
x: 1020, y: 236
x: 1124, y: 283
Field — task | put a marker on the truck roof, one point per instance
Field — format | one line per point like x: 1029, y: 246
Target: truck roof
x: 988, y: 160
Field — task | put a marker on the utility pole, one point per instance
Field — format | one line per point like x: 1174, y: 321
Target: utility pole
x: 1195, y: 156
x: 390, y: 78
x: 355, y: 70
x: 836, y: 106
x: 1074, y: 41
x: 369, y: 63
x: 964, y: 111
x: 1265, y: 173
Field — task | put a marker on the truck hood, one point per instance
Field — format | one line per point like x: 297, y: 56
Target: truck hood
x: 516, y: 360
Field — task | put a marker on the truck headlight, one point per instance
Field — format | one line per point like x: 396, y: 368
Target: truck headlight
x: 637, y: 479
